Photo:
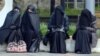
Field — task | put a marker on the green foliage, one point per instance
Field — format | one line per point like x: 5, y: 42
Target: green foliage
x: 44, y: 12
x: 43, y: 28
x: 72, y: 29
x: 73, y: 12
x: 68, y: 11
x: 97, y: 8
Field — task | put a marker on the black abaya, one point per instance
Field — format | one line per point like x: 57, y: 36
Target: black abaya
x: 83, y: 35
x: 30, y: 27
x: 57, y: 33
x: 12, y: 22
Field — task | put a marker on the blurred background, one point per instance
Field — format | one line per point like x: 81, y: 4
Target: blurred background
x: 73, y: 9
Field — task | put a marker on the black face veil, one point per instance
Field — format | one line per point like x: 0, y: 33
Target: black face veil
x: 85, y: 19
x: 57, y: 19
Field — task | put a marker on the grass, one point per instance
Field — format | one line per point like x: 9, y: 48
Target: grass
x: 73, y: 12
x: 46, y: 12
x: 68, y: 11
x: 97, y: 8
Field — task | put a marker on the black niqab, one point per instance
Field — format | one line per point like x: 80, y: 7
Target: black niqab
x: 57, y: 18
x: 85, y: 19
x: 55, y: 37
x: 30, y: 26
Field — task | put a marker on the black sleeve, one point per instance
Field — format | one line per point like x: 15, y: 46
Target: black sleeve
x: 66, y: 23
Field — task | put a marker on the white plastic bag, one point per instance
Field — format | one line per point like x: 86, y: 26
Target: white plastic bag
x: 70, y: 45
x: 43, y: 47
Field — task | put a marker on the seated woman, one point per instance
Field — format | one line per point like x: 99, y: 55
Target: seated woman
x: 12, y: 22
x: 57, y: 31
x: 83, y: 34
x: 30, y: 29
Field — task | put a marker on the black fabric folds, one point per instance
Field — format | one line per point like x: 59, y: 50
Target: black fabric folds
x: 83, y: 34
x: 30, y: 27
x: 12, y: 22
x: 57, y: 31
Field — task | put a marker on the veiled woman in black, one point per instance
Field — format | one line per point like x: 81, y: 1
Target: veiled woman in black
x: 10, y: 26
x: 30, y: 29
x: 83, y: 34
x: 57, y: 31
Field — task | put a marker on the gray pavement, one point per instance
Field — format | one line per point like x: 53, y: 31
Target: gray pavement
x: 45, y: 54
x: 43, y: 48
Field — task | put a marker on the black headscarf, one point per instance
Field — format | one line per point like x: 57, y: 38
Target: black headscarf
x: 57, y: 18
x: 31, y: 18
x: 11, y: 17
x: 85, y: 19
x: 32, y: 8
x: 16, y: 7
